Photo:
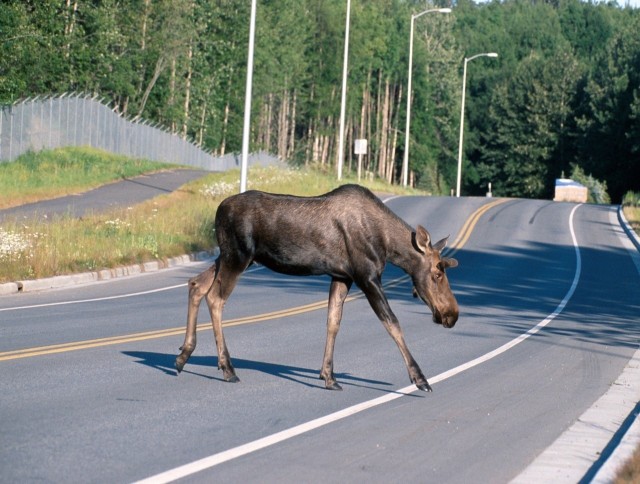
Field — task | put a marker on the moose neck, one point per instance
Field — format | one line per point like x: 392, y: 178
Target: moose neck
x: 400, y: 250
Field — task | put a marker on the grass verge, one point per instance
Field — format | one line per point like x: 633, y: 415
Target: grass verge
x: 632, y: 214
x: 631, y: 208
x: 166, y: 226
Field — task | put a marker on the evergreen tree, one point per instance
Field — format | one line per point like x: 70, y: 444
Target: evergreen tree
x: 564, y: 90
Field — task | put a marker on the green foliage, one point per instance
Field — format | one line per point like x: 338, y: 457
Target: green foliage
x: 527, y: 123
x: 631, y: 199
x: 597, y: 189
x: 565, y: 88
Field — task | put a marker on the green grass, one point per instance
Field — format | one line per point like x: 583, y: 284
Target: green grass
x: 632, y: 214
x: 53, y: 173
x: 169, y: 225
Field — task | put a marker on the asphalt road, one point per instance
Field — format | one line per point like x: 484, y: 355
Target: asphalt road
x: 94, y: 409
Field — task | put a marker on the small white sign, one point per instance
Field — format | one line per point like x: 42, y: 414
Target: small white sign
x: 360, y: 147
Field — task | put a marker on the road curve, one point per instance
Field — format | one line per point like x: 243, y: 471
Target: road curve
x: 119, y: 412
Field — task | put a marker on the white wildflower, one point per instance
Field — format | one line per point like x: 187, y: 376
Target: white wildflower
x: 12, y: 244
x: 219, y: 189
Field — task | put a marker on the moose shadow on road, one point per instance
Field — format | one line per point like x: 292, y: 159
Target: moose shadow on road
x: 305, y: 376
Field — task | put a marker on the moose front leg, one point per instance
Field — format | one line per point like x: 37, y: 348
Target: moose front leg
x: 415, y: 373
x: 380, y: 305
x: 337, y: 295
x: 198, y: 288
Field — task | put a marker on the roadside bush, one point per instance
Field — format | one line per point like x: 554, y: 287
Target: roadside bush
x: 631, y: 199
x: 597, y: 189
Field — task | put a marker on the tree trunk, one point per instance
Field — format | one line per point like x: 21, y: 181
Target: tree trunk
x: 187, y: 92
x: 201, y: 128
x: 348, y: 142
x: 283, y: 125
x: 382, y: 168
x: 292, y: 128
x: 143, y: 45
x: 160, y: 63
x: 69, y: 25
x: 384, y: 127
x: 225, y: 125
x: 172, y: 94
x: 394, y: 144
x: 363, y: 112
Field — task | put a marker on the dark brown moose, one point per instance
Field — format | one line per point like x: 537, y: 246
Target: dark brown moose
x: 348, y: 234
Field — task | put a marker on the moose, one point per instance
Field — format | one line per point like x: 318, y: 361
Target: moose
x: 347, y: 234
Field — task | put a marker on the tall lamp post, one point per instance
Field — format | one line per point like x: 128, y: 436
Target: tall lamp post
x: 405, y: 160
x: 464, y: 88
x: 343, y: 101
x: 247, y: 101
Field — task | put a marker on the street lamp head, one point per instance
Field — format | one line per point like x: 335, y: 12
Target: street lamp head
x: 492, y: 54
x: 444, y: 10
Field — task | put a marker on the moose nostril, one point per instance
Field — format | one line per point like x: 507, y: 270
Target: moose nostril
x: 449, y: 321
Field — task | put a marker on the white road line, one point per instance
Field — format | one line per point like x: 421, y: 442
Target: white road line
x: 107, y: 298
x: 227, y: 455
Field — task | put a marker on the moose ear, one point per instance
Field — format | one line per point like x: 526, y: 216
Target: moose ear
x: 449, y: 263
x: 422, y: 239
x: 441, y: 244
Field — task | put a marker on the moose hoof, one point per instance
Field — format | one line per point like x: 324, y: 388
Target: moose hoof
x: 179, y: 365
x: 425, y: 387
x: 232, y: 379
x: 333, y: 386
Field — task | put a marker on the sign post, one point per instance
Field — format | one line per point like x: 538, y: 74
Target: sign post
x: 360, y: 149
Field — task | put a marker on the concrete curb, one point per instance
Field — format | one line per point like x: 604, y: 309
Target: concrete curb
x: 571, y: 457
x: 57, y: 282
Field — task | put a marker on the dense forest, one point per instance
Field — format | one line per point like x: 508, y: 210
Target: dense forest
x: 564, y: 91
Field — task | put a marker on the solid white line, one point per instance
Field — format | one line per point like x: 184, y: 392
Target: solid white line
x: 227, y: 455
x: 106, y: 298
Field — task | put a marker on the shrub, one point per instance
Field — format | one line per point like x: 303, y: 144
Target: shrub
x: 597, y: 189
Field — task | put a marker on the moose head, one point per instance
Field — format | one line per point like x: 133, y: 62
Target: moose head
x: 430, y: 278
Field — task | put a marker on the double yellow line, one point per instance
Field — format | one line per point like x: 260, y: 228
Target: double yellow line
x: 95, y: 343
x: 460, y: 241
x: 469, y: 225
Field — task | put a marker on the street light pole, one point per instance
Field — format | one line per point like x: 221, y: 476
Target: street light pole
x: 247, y: 100
x: 344, y: 94
x: 405, y: 160
x: 464, y: 88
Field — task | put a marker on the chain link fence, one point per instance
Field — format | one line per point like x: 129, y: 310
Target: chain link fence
x: 80, y: 120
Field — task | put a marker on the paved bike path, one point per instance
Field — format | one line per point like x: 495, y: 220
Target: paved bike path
x: 126, y: 192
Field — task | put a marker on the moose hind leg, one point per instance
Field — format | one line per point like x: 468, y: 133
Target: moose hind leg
x: 337, y: 295
x: 198, y: 288
x: 223, y: 285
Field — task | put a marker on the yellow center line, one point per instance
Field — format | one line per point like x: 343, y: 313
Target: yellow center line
x: 470, y: 225
x: 460, y: 241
